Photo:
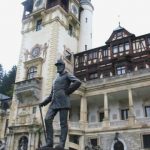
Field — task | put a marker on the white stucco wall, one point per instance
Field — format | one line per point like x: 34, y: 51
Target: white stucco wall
x: 86, y: 28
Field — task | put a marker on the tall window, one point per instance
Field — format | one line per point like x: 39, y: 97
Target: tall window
x: 121, y: 70
x: 127, y: 46
x: 146, y: 141
x: 101, y: 116
x: 147, y: 111
x: 39, y: 25
x: 32, y: 72
x: 105, y: 53
x: 70, y: 30
x: 124, y: 114
x: 34, y: 110
x: 115, y: 49
x: 121, y: 48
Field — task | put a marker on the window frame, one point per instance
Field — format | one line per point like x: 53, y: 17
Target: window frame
x: 70, y: 30
x: 32, y: 72
x: 101, y: 113
x: 105, y: 53
x: 93, y: 75
x: 39, y: 25
x: 143, y: 143
x: 120, y: 69
x: 124, y: 113
x: 115, y: 48
x: 120, y: 48
x: 125, y: 49
x: 146, y: 113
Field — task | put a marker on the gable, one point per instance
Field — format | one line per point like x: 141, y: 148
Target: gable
x: 118, y: 34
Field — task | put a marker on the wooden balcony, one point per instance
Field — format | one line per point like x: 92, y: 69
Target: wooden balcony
x: 94, y: 64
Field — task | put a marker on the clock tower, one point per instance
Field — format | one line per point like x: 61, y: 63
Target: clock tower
x: 50, y: 30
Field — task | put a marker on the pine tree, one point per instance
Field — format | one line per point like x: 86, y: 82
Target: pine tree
x: 8, y: 81
x: 1, y: 74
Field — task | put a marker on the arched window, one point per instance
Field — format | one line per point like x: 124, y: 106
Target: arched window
x: 118, y: 145
x: 32, y: 72
x: 23, y: 143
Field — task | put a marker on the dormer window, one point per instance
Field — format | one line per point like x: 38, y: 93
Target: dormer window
x: 119, y: 35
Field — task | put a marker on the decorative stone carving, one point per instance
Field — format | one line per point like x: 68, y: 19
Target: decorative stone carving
x: 28, y: 90
x: 38, y: 50
x: 26, y: 54
x: 44, y: 49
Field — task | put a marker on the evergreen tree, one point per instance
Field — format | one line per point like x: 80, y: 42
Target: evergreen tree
x: 1, y: 74
x: 8, y: 82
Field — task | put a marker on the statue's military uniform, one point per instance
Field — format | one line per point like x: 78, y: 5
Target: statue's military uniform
x: 63, y: 86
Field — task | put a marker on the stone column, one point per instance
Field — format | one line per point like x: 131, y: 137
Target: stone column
x: 12, y: 142
x: 131, y: 110
x: 83, y: 110
x: 106, y: 113
x: 8, y: 145
x: 36, y: 140
x: 82, y: 142
x: 29, y: 141
x: 33, y: 141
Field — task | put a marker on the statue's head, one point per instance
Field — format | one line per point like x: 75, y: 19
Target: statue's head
x: 60, y: 66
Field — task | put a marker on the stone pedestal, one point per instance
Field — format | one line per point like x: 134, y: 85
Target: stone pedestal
x: 51, y: 149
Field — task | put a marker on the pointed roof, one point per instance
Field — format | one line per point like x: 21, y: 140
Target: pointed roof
x: 119, y: 33
x: 119, y: 27
x: 88, y: 2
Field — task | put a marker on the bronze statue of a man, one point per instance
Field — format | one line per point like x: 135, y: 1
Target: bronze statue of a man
x: 63, y: 85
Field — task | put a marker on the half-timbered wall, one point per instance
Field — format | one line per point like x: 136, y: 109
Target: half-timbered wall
x: 118, y: 57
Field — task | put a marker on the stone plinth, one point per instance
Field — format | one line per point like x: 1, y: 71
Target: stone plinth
x: 51, y: 149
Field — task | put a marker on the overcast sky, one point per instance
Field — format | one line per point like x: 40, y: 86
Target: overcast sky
x: 134, y: 15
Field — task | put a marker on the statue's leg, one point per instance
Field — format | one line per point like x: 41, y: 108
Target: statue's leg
x: 64, y: 125
x: 49, y: 126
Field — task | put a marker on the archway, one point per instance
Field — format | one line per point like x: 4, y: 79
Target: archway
x: 118, y: 145
x: 23, y: 143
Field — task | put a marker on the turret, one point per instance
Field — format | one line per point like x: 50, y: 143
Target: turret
x: 85, y: 40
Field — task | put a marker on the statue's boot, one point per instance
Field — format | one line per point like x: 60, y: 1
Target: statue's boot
x: 46, y: 146
x: 59, y: 147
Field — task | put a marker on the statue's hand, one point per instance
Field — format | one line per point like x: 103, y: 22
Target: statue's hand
x: 42, y: 104
x: 45, y: 102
